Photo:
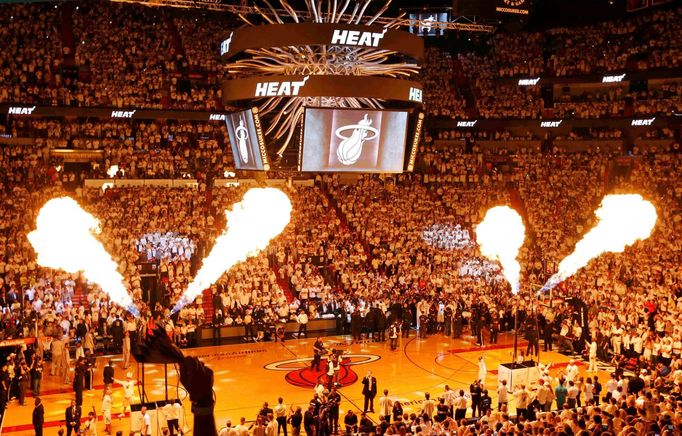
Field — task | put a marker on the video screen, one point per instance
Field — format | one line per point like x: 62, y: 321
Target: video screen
x: 428, y: 25
x: 244, y: 140
x: 353, y: 140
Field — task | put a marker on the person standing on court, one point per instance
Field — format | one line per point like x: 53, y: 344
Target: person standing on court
x: 108, y: 374
x: 126, y: 349
x: 38, y: 417
x: 73, y: 418
x: 460, y: 406
x: 428, y: 406
x: 295, y: 419
x: 146, y: 423
x: 369, y: 391
x: 385, y: 406
x: 302, y: 320
x: 502, y: 395
x: 281, y: 412
x: 106, y: 410
x: 560, y: 393
x: 309, y: 421
x: 393, y: 336
x: 476, y: 391
x: 522, y: 401
x: 482, y: 370
x: 318, y: 349
x: 333, y: 402
x: 78, y: 381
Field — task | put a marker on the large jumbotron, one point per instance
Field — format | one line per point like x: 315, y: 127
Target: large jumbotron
x: 340, y: 217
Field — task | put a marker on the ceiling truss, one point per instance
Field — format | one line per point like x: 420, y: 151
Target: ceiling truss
x: 461, y: 23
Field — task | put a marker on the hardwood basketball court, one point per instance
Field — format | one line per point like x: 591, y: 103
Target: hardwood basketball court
x: 249, y: 374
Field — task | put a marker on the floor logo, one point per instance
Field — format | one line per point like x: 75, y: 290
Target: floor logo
x: 299, y: 372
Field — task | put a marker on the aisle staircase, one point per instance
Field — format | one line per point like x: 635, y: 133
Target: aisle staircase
x: 207, y: 305
x: 66, y: 32
x: 283, y: 283
x: 345, y: 225
x: 517, y: 204
x: 176, y: 40
x: 80, y: 296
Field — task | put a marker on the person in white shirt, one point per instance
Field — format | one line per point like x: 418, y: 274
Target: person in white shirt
x: 302, y: 319
x: 592, y: 356
x: 502, y: 395
x: 146, y: 422
x: 90, y: 427
x: 428, y: 406
x: 572, y: 394
x: 281, y: 412
x: 522, y: 400
x: 271, y: 429
x: 589, y: 391
x: 106, y: 410
x: 612, y: 385
x: 617, y: 393
x: 571, y: 371
x: 172, y: 417
x: 128, y: 391
x: 637, y: 344
x: 319, y: 387
x: 385, y: 406
x: 460, y: 406
x: 545, y: 395
x: 482, y: 370
x: 242, y: 429
x: 228, y: 430
x: 449, y: 396
x: 616, y: 338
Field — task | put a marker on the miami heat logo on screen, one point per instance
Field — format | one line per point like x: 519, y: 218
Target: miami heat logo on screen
x: 428, y: 23
x: 299, y: 372
x: 355, y: 142
x: 350, y: 148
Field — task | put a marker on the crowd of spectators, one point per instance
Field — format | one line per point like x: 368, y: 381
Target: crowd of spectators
x: 128, y: 52
x: 380, y: 251
x: 440, y: 90
x: 648, y: 41
x: 353, y: 249
x: 118, y: 56
x: 122, y: 55
x: 138, y: 148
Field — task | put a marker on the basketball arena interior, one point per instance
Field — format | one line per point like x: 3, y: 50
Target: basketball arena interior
x: 359, y: 217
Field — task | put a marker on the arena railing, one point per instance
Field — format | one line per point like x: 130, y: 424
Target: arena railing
x: 189, y: 183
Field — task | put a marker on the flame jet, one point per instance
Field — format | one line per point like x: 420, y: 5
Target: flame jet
x: 261, y: 215
x: 623, y: 220
x: 500, y: 236
x: 64, y: 239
